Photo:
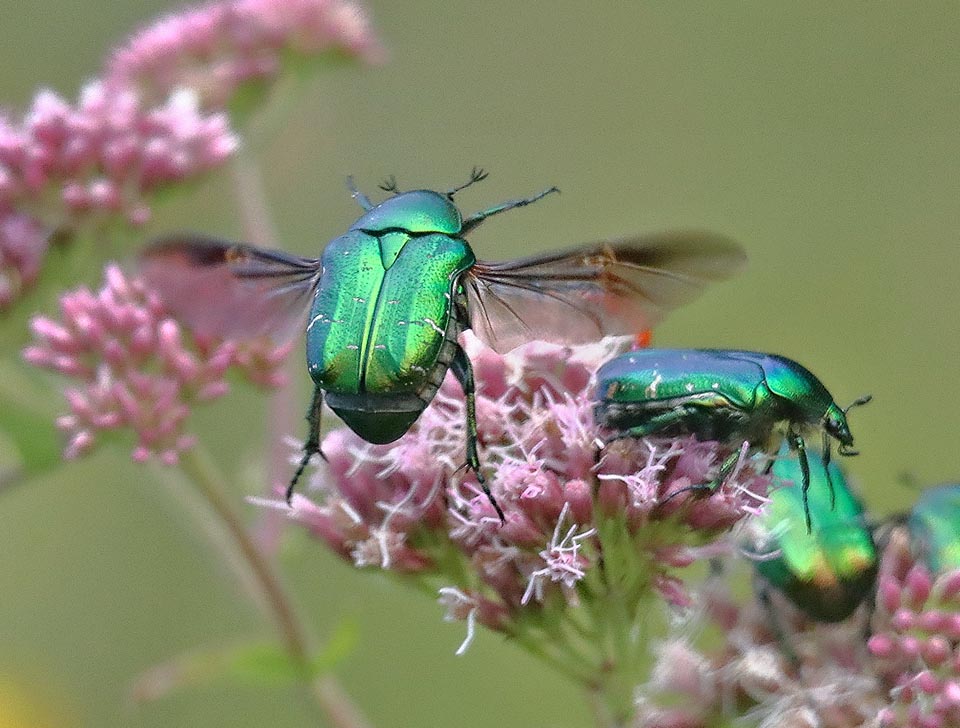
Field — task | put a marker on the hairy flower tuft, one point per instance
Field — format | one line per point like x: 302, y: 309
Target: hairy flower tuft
x: 137, y: 369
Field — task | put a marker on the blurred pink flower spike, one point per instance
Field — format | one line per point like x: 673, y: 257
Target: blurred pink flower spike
x: 98, y: 161
x: 411, y: 507
x: 916, y: 639
x: 216, y: 47
x: 154, y: 119
x: 136, y: 369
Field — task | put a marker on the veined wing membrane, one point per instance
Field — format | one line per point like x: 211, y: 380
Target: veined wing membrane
x: 596, y: 290
x: 224, y: 289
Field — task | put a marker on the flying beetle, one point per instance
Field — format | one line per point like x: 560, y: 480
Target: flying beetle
x: 719, y: 394
x: 828, y: 572
x: 388, y: 299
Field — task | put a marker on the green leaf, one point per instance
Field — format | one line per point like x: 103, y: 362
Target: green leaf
x: 339, y: 646
x: 260, y: 663
x: 27, y: 419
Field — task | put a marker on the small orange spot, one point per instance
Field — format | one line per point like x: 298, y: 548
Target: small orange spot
x: 642, y: 339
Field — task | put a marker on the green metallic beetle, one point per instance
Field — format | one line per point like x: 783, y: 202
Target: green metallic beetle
x: 934, y: 525
x: 388, y: 299
x: 826, y: 573
x: 718, y: 394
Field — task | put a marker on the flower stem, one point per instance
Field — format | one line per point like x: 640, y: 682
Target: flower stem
x: 325, y: 691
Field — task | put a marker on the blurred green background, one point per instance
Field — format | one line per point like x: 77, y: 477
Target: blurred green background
x: 823, y: 136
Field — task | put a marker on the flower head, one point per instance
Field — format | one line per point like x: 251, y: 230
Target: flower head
x: 136, y: 368
x: 584, y: 526
x: 100, y: 159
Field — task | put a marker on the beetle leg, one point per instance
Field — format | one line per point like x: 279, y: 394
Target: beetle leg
x: 356, y: 194
x: 652, y: 426
x: 796, y: 443
x: 726, y: 468
x: 463, y: 371
x: 312, y: 444
x: 471, y: 222
x: 826, y: 468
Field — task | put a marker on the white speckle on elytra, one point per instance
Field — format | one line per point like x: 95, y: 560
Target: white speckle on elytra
x: 651, y: 390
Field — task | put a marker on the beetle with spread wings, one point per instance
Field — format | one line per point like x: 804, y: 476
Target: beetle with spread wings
x: 388, y: 299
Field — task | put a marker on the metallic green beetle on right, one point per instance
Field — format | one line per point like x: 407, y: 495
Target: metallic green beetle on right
x: 934, y: 525
x: 829, y: 571
x: 719, y: 394
x: 389, y: 298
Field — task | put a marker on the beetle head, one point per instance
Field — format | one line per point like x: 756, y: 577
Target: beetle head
x: 834, y: 423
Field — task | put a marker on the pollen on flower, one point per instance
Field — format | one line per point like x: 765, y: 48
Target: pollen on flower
x: 135, y: 369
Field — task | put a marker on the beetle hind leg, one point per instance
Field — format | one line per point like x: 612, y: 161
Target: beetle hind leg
x: 463, y: 371
x: 727, y: 467
x: 311, y: 445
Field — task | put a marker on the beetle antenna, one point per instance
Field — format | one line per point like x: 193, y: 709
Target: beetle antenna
x: 857, y: 402
x: 477, y: 174
x: 390, y: 185
x: 356, y: 194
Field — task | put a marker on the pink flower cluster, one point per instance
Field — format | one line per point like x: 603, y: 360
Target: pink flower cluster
x: 216, y: 47
x: 916, y: 640
x: 101, y: 158
x: 137, y: 369
x: 907, y: 675
x: 811, y: 676
x: 575, y: 529
x: 153, y: 120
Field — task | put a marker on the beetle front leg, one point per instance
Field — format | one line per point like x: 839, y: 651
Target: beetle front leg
x: 463, y: 371
x: 471, y: 222
x: 796, y: 443
x: 312, y: 444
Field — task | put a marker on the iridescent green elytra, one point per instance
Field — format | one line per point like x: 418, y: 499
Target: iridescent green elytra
x: 388, y: 299
x: 934, y: 525
x: 719, y: 394
x: 828, y: 572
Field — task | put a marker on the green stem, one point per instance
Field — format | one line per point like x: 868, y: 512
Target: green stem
x: 325, y: 691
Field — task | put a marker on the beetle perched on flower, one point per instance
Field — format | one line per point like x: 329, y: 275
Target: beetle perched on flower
x: 716, y: 394
x: 389, y: 298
